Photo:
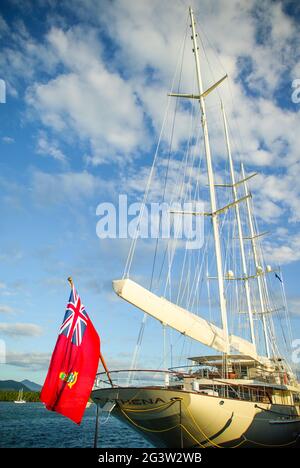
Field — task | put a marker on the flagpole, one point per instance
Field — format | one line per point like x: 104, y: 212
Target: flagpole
x: 97, y: 404
x: 105, y: 368
x: 71, y: 281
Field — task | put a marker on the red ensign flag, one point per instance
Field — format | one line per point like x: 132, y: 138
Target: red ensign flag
x: 74, y: 363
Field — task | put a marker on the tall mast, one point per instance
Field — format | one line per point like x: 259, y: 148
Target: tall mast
x: 239, y: 226
x: 256, y: 263
x: 215, y: 221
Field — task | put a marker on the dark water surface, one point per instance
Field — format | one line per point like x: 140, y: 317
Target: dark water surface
x: 31, y: 425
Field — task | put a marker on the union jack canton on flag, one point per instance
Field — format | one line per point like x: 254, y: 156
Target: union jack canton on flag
x: 75, y: 319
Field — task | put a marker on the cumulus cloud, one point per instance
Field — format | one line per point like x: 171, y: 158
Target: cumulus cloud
x: 11, y: 290
x: 294, y: 305
x: 8, y: 140
x: 6, y: 309
x: 283, y: 249
x: 101, y: 96
x: 47, y: 148
x: 105, y: 81
x: 13, y: 254
x: 88, y: 99
x: 16, y: 330
x: 63, y: 187
x: 31, y: 361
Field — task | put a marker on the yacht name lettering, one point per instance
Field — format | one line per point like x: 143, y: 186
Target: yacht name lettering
x: 138, y: 401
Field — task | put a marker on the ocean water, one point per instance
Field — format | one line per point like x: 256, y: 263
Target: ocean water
x: 31, y: 425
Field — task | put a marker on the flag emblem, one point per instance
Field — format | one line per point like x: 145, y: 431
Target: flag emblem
x: 70, y: 378
x: 75, y: 319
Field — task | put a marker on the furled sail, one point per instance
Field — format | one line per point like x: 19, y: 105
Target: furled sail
x: 181, y: 319
x: 170, y: 314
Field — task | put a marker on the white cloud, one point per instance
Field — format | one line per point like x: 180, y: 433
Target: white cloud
x: 88, y: 100
x: 102, y: 102
x: 13, y: 254
x: 33, y: 361
x: 64, y: 187
x: 8, y: 140
x: 5, y: 309
x: 15, y: 330
x: 48, y: 148
x: 283, y: 249
x: 98, y: 88
x: 23, y: 57
x: 3, y: 26
x: 294, y: 305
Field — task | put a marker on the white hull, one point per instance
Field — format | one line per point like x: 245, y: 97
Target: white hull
x: 173, y: 418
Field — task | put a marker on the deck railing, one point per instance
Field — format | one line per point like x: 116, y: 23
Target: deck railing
x: 139, y: 377
x: 177, y: 379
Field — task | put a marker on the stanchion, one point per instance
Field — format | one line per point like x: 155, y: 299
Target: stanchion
x: 181, y: 436
x: 180, y: 418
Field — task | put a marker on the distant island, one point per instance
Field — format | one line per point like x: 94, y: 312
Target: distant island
x: 9, y: 390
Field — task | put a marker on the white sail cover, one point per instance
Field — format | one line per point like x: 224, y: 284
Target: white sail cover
x: 180, y: 319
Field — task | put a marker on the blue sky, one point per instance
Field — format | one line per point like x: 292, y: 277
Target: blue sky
x: 86, y: 91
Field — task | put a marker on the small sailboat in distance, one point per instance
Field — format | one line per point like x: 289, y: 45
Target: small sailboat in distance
x: 20, y: 399
x: 242, y: 391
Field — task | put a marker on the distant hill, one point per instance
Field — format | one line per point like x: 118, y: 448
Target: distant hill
x: 34, y: 387
x: 11, y: 385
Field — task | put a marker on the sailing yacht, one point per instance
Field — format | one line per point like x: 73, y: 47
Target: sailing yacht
x: 243, y: 392
x: 20, y: 399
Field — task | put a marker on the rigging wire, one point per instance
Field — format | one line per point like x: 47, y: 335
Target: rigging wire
x: 146, y: 194
x: 266, y: 288
x: 192, y: 269
x: 169, y: 151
